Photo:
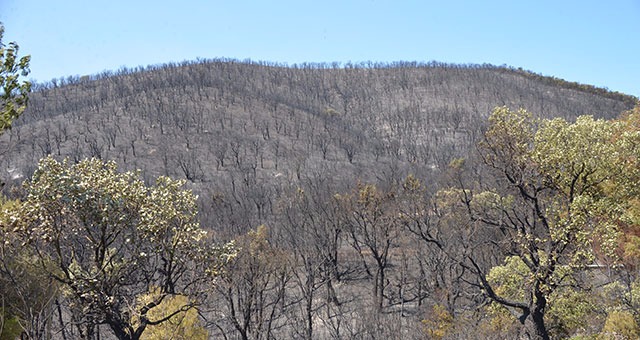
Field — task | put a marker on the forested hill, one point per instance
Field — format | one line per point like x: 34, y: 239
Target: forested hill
x: 244, y: 129
x: 365, y: 202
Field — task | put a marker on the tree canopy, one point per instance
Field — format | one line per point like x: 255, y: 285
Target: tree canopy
x: 13, y: 91
x: 109, y: 239
x: 563, y: 198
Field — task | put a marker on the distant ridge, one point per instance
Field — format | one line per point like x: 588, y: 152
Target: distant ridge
x: 630, y: 99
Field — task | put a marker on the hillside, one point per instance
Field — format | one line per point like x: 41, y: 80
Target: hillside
x: 294, y: 149
x: 228, y: 126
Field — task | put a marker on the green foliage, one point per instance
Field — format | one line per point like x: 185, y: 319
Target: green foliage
x: 507, y: 143
x: 567, y: 310
x: 500, y: 321
x: 10, y: 328
x: 13, y: 101
x: 510, y: 278
x: 439, y: 323
x: 578, y: 165
x: 13, y: 92
x: 624, y: 189
x: 26, y: 291
x: 622, y: 296
x: 621, y: 325
x: 183, y: 322
x: 112, y: 238
x: 568, y: 197
x: 576, y: 160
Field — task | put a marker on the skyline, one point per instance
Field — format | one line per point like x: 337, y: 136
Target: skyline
x: 589, y: 42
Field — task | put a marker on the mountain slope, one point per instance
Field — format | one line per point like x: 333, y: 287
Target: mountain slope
x: 243, y: 130
x: 296, y: 149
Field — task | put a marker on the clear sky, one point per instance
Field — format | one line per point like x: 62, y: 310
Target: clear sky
x: 589, y: 41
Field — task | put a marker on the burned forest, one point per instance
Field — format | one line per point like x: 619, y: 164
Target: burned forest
x: 345, y: 201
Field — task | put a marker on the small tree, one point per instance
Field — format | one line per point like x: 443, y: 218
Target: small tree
x: 26, y: 292
x: 13, y: 92
x: 374, y: 219
x: 108, y: 239
x: 13, y: 294
x: 253, y: 285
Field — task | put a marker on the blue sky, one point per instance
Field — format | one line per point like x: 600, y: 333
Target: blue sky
x: 591, y: 42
